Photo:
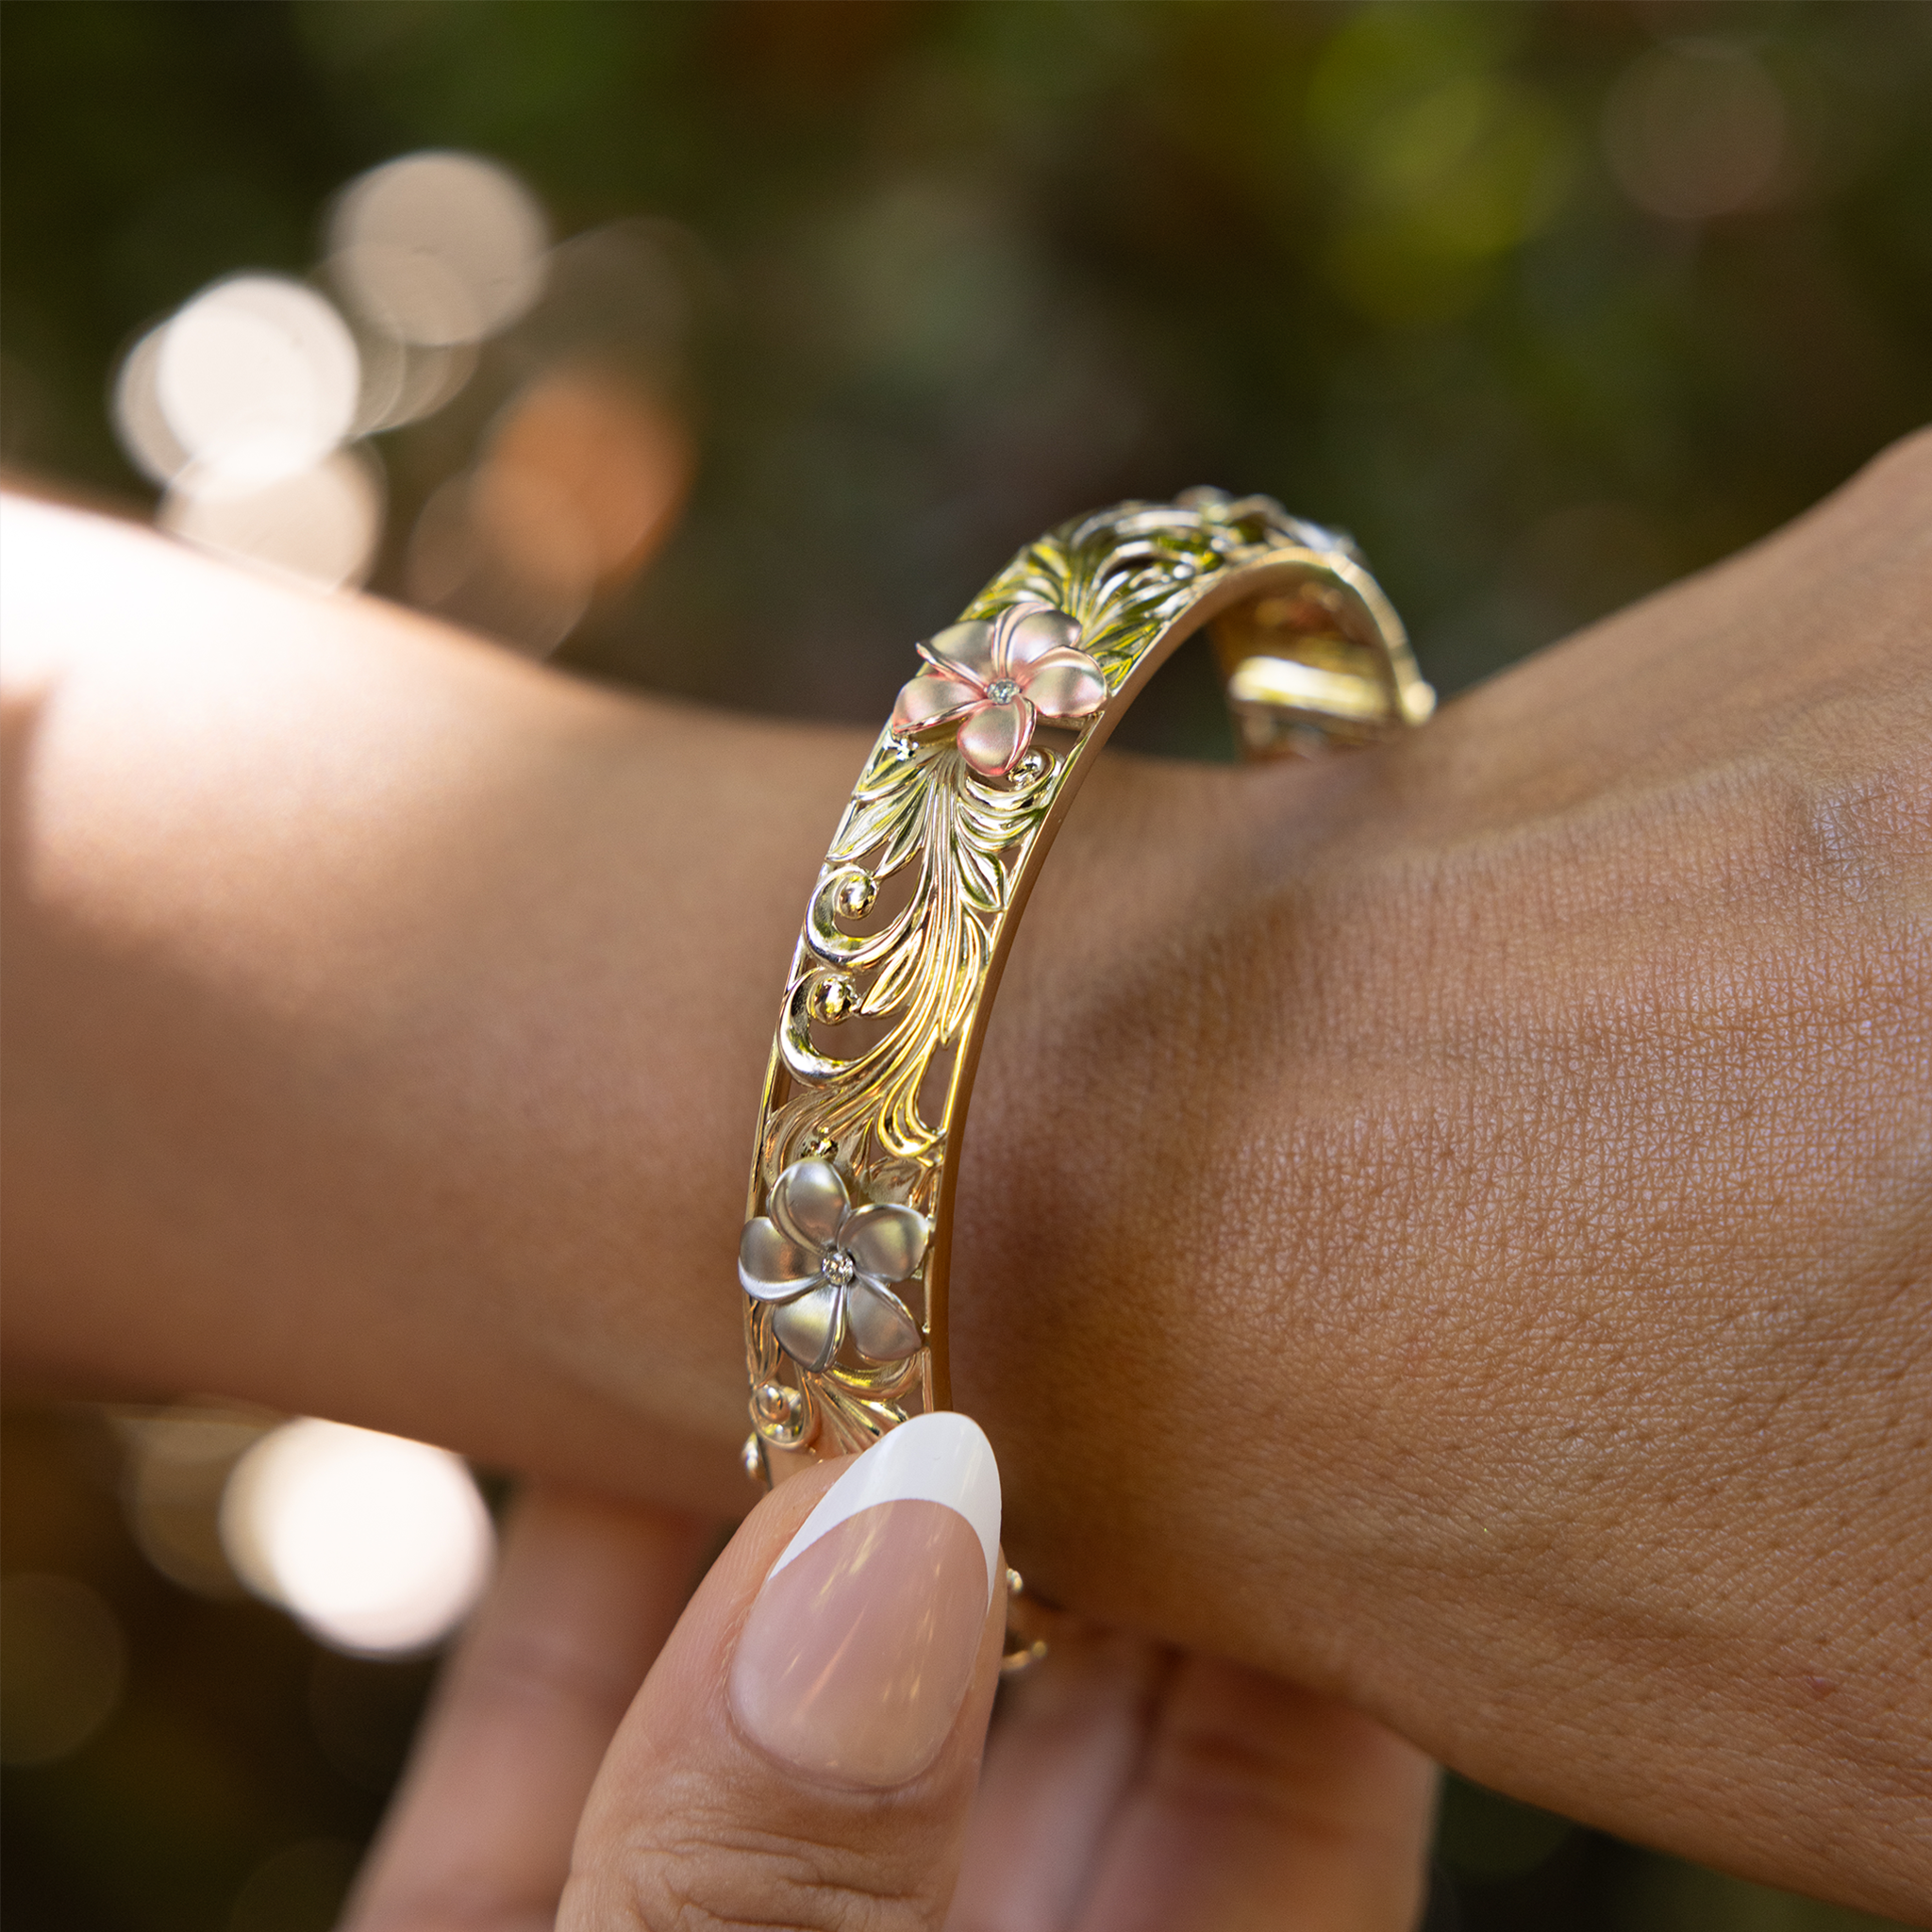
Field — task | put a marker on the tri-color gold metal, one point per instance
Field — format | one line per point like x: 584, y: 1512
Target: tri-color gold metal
x: 909, y: 925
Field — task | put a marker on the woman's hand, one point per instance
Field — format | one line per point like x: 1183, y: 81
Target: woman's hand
x: 806, y: 1749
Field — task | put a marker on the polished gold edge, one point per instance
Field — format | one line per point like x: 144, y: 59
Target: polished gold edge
x: 909, y: 925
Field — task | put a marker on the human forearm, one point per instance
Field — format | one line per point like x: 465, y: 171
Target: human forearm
x: 384, y: 1014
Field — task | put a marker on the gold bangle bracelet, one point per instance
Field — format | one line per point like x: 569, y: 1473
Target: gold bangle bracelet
x: 843, y: 1257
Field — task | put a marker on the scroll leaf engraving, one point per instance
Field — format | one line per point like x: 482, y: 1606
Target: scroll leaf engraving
x: 1123, y: 577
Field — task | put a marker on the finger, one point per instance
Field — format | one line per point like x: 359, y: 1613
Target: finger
x: 1065, y: 1751
x: 481, y: 1833
x: 804, y: 1752
x: 1260, y: 1805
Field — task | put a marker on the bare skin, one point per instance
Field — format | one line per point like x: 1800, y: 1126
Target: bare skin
x: 1122, y: 1793
x: 1452, y: 1226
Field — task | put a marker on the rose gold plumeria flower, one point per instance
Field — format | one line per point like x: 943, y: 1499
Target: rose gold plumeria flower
x: 827, y: 1267
x: 997, y: 678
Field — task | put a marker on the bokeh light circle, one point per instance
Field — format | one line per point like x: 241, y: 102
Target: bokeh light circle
x: 403, y: 382
x: 321, y: 527
x: 257, y: 378
x: 1695, y: 129
x: 379, y: 1546
x: 62, y: 1668
x: 140, y: 426
x: 439, y: 248
x: 505, y: 553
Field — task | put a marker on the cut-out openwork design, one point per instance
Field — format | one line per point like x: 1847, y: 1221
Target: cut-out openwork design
x: 845, y: 1248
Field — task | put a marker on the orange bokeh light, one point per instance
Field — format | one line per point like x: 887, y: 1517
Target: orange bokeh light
x: 584, y: 460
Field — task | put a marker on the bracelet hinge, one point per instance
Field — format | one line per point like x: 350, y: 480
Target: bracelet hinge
x: 1294, y: 693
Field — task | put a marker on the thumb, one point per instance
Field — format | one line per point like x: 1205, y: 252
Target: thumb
x: 804, y: 1752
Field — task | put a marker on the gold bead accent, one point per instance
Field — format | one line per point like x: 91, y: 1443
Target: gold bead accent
x: 780, y: 1414
x: 856, y: 896
x: 834, y: 1000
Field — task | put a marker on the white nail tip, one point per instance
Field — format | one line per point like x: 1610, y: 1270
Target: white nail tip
x: 943, y: 1458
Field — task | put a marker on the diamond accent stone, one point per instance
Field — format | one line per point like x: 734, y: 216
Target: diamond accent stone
x: 838, y: 1268
x: 1003, y: 690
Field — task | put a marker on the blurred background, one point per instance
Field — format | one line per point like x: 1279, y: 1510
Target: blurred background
x: 723, y: 349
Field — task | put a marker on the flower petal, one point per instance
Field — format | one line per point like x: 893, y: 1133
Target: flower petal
x: 1029, y: 632
x: 962, y: 649
x: 932, y: 697
x: 881, y: 1324
x: 887, y: 1241
x: 772, y: 1268
x: 809, y: 1202
x: 994, y: 738
x: 810, y: 1329
x: 1064, y: 684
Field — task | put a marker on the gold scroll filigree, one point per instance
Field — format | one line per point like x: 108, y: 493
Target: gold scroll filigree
x: 1128, y: 576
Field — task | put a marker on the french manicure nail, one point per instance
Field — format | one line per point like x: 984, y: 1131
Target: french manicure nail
x: 860, y: 1647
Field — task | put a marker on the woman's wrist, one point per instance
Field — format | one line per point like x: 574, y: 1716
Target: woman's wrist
x: 1473, y: 1236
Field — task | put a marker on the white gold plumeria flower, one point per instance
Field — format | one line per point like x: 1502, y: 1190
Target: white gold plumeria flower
x: 826, y: 1266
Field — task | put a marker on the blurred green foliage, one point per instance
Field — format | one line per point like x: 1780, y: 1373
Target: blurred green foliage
x: 967, y: 268
x: 950, y: 272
